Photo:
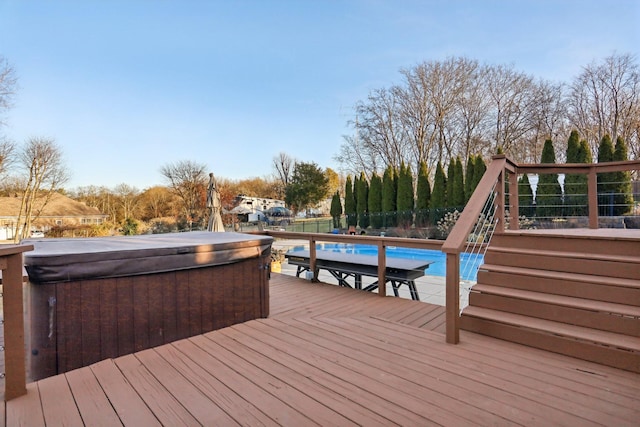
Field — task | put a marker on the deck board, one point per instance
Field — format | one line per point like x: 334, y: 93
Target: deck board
x: 211, y: 386
x: 329, y: 355
x: 151, y: 379
x: 535, y: 394
x: 58, y: 405
x: 92, y: 403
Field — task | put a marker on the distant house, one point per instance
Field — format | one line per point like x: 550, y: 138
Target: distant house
x: 59, y: 211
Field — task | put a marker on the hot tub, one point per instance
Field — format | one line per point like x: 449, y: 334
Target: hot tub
x: 96, y: 298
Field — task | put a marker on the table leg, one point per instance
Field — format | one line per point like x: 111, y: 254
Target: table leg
x: 413, y: 290
x: 395, y: 285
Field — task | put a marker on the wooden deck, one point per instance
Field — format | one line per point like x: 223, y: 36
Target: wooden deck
x: 334, y: 356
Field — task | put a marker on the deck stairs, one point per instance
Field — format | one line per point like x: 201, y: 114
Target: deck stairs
x: 570, y: 294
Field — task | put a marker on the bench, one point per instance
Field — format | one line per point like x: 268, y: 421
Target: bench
x: 343, y: 266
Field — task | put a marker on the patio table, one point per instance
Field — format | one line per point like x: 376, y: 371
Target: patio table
x: 344, y: 266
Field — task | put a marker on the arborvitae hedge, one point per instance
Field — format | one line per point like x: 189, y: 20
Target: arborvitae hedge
x: 375, y: 201
x: 423, y: 196
x: 362, y: 201
x: 389, y: 198
x: 623, y: 199
x: 458, y: 197
x: 350, y: 203
x: 451, y: 179
x: 336, y: 209
x: 548, y: 190
x: 606, y: 186
x: 468, y: 178
x: 525, y: 197
x: 438, y: 195
x: 405, y: 200
x: 575, y: 185
x: 479, y: 168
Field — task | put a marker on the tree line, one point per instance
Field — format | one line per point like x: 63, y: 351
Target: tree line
x: 458, y: 107
x: 390, y: 200
x: 35, y: 170
x: 441, y: 113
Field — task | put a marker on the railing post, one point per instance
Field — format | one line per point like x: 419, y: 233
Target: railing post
x: 382, y: 269
x: 592, y: 190
x: 453, y: 298
x: 500, y: 200
x: 312, y: 258
x: 13, y: 310
x: 514, y: 209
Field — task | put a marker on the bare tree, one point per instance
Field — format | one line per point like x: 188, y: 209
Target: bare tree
x: 188, y: 180
x: 45, y: 173
x: 379, y: 129
x: 439, y: 86
x: 8, y: 86
x: 549, y: 121
x: 604, y: 99
x: 157, y: 202
x: 354, y: 157
x: 456, y: 107
x: 416, y: 115
x: 511, y: 93
x: 473, y: 113
x: 283, y: 166
x: 127, y: 197
x: 7, y: 149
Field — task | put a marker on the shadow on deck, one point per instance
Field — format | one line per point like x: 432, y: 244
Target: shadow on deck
x: 334, y: 356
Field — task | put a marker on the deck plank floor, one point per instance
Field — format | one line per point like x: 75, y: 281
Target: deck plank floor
x: 334, y: 356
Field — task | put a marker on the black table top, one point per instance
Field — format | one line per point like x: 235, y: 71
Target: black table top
x: 400, y: 268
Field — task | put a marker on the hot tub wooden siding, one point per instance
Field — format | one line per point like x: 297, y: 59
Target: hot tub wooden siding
x: 75, y: 324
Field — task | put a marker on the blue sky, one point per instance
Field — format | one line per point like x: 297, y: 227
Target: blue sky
x: 125, y: 87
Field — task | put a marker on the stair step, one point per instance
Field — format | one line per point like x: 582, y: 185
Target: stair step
x: 618, y: 318
x: 576, y: 277
x: 571, y: 262
x: 566, y: 254
x: 603, y: 338
x: 623, y: 242
x: 600, y: 288
x: 572, y: 302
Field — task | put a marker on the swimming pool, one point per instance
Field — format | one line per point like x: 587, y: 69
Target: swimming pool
x: 469, y: 263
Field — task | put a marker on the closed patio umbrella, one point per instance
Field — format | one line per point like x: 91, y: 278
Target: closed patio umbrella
x: 214, y: 206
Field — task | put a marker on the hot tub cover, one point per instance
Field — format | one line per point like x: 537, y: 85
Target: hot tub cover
x: 63, y: 260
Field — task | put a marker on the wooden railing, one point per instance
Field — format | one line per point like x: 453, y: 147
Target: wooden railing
x: 590, y: 169
x: 494, y: 180
x: 459, y: 236
x: 380, y: 242
x: 11, y: 266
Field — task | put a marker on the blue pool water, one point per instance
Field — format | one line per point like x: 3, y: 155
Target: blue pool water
x: 469, y: 263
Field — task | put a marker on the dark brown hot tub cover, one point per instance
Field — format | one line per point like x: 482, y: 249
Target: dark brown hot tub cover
x: 63, y: 260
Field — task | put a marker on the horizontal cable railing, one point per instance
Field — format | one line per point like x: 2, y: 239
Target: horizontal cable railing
x: 594, y: 201
x: 500, y: 182
x: 491, y: 186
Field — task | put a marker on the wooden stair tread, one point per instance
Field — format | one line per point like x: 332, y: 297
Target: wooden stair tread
x: 610, y: 234
x: 573, y: 302
x: 566, y: 254
x: 611, y: 339
x: 587, y: 278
